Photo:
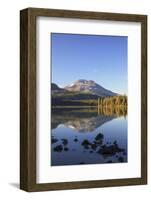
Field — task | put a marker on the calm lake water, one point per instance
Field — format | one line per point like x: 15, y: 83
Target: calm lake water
x: 85, y: 136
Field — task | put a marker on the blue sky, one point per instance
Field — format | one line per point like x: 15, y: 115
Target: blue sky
x: 92, y: 57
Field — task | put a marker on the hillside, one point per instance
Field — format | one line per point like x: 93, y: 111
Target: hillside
x: 80, y: 93
x: 74, y: 99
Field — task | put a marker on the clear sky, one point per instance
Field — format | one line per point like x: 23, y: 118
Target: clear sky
x: 92, y: 57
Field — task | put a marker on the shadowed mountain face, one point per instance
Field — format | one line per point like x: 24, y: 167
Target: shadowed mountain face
x: 56, y: 89
x: 89, y: 86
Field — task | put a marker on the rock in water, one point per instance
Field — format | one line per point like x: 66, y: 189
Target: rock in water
x: 58, y: 148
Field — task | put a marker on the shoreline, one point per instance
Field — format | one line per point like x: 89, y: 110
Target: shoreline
x: 74, y: 106
x: 98, y: 107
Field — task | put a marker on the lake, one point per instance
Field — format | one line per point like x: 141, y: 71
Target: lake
x: 87, y: 136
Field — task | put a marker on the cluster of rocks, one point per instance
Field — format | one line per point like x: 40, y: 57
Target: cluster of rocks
x: 63, y: 146
x: 110, y: 149
x: 98, y: 140
x: 103, y: 149
x: 97, y: 146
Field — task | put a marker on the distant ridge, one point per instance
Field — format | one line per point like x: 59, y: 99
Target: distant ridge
x: 55, y: 88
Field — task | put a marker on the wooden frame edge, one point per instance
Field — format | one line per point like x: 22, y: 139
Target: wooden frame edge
x: 24, y: 182
x: 27, y: 100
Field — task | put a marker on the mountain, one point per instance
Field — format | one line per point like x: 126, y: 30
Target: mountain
x: 56, y: 89
x: 63, y: 97
x: 89, y: 86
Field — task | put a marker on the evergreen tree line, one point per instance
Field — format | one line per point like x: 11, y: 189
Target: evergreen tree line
x: 120, y: 100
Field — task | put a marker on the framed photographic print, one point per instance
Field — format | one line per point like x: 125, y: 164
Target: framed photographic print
x: 83, y: 93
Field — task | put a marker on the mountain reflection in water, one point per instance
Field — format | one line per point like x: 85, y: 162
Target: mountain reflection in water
x: 88, y: 136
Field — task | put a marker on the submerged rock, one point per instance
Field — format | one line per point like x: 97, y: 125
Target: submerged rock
x: 66, y: 149
x: 58, y: 148
x: 85, y: 144
x: 99, y: 137
x: 64, y: 141
x: 54, y: 140
x: 110, y: 150
x: 121, y: 159
x: 115, y: 144
x: 109, y: 161
x: 75, y: 140
x: 93, y: 146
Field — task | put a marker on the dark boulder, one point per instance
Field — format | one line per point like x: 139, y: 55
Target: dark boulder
x: 75, y: 140
x: 99, y: 137
x: 66, y: 149
x: 109, y: 161
x: 58, y: 148
x: 54, y: 140
x: 121, y: 159
x: 94, y: 146
x: 64, y: 141
x: 85, y: 144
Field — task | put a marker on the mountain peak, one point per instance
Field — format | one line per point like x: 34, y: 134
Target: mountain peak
x: 84, y: 81
x: 89, y: 86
